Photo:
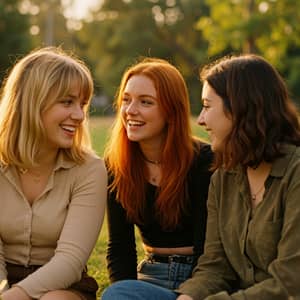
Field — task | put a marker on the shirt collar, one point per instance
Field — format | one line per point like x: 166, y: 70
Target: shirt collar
x: 63, y: 162
x: 280, y: 165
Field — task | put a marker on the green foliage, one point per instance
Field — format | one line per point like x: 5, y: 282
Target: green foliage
x: 122, y: 31
x: 267, y: 27
x: 188, y: 33
x: 238, y: 25
x: 14, y: 34
x: 52, y: 24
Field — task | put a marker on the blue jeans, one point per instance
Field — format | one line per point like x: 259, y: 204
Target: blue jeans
x: 168, y: 275
x: 137, y: 290
x: 156, y: 281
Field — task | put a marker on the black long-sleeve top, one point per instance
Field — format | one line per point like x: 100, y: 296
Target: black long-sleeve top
x: 121, y: 252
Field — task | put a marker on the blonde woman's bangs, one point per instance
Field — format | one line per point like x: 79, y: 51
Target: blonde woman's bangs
x: 86, y: 86
x: 82, y: 79
x: 79, y: 76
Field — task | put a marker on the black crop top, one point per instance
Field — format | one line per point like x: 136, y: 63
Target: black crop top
x: 121, y: 252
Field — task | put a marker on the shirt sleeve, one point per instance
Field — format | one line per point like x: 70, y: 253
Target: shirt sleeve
x: 199, y: 179
x: 79, y: 234
x: 3, y: 273
x: 213, y: 272
x: 121, y: 250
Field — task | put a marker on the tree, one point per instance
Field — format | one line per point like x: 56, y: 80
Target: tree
x: 51, y: 23
x: 14, y: 34
x: 267, y: 27
x: 121, y: 31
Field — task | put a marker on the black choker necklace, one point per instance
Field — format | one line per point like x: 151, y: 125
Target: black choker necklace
x: 154, y: 162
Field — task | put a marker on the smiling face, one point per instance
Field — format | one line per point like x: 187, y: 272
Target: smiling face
x: 213, y: 117
x: 141, y: 112
x: 62, y: 119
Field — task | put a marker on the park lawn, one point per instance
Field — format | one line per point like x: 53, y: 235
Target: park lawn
x: 100, y: 128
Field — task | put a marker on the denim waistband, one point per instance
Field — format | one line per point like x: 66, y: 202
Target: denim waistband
x: 183, y: 259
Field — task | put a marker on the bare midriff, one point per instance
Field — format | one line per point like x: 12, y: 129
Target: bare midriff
x: 169, y: 251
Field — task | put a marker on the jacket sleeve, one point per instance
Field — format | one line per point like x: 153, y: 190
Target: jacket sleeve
x: 213, y: 272
x: 121, y: 250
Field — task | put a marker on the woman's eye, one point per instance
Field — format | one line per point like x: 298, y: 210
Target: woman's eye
x: 146, y: 102
x: 205, y: 106
x: 125, y: 100
x: 67, y: 102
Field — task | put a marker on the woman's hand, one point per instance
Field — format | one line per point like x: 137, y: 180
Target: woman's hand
x: 184, y: 297
x: 15, y: 293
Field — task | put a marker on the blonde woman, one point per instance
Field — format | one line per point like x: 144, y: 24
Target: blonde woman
x: 53, y: 187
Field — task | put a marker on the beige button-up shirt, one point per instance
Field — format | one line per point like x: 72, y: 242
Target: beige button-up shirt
x: 253, y: 255
x: 59, y: 230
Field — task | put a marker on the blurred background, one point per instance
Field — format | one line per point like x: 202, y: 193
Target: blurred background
x: 109, y: 35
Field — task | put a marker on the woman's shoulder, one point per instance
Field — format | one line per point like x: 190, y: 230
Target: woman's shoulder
x: 203, y: 157
x: 92, y: 164
x: 202, y: 149
x: 289, y: 161
x: 92, y: 159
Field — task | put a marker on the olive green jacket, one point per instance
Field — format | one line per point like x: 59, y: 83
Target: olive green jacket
x: 251, y: 254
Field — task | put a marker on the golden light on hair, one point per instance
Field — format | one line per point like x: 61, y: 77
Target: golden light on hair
x: 34, y: 83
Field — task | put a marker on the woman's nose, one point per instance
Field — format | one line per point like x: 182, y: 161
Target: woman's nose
x: 132, y: 108
x: 78, y: 113
x: 200, y: 119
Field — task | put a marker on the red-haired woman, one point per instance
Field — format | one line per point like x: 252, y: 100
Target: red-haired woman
x: 159, y: 177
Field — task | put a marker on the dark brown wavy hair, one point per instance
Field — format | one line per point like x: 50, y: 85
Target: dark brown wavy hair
x: 257, y: 100
x: 125, y: 159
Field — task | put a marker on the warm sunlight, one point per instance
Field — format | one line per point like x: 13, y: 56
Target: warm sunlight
x: 80, y: 8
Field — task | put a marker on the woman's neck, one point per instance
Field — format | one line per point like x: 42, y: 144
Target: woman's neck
x: 256, y: 179
x: 46, y: 159
x: 262, y: 170
x: 152, y: 154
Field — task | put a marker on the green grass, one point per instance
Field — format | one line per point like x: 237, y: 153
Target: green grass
x: 100, y: 128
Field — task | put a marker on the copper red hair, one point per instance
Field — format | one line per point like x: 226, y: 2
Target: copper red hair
x: 124, y: 157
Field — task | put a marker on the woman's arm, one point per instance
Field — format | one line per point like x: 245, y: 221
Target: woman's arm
x: 3, y: 273
x: 199, y: 179
x: 184, y: 297
x: 79, y: 233
x: 121, y: 251
x: 15, y: 293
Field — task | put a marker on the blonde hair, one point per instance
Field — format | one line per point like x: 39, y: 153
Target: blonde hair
x: 33, y: 85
